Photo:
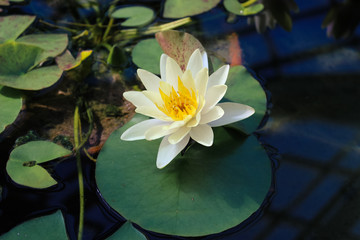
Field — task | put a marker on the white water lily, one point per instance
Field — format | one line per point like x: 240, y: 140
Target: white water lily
x: 183, y: 105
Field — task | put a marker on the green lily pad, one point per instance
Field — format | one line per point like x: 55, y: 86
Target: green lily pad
x: 208, y: 190
x: 146, y: 55
x: 178, y: 45
x: 243, y: 88
x: 51, y: 44
x: 126, y: 232
x: 12, y: 26
x: 184, y: 8
x: 17, y: 60
x: 136, y: 16
x: 10, y: 106
x: 234, y: 6
x: 46, y: 227
x: 23, y: 166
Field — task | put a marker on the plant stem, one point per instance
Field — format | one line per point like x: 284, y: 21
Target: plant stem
x: 77, y: 139
x: 248, y: 3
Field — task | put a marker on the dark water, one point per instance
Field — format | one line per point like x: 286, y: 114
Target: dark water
x: 314, y: 125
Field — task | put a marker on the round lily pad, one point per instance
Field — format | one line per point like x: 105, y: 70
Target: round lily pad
x: 146, y: 55
x: 208, y: 190
x: 127, y: 231
x: 10, y: 106
x: 136, y: 16
x: 244, y: 88
x: 23, y: 166
x: 46, y: 227
x: 11, y: 27
x: 183, y: 8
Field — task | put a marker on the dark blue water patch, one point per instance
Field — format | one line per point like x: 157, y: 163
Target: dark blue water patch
x: 292, y: 179
x: 356, y: 229
x: 251, y: 45
x: 306, y: 34
x: 283, y: 231
x: 351, y: 160
x: 311, y: 5
x: 319, y: 197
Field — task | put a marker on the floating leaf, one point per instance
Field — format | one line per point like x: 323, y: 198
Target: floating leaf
x: 146, y: 55
x: 23, y: 166
x: 67, y: 62
x: 52, y: 44
x: 245, y: 89
x: 46, y: 227
x: 127, y: 232
x: 234, y: 6
x: 10, y: 106
x: 12, y: 26
x: 178, y: 45
x: 208, y: 190
x: 117, y: 57
x: 17, y: 60
x: 183, y: 8
x: 4, y: 3
x: 136, y: 16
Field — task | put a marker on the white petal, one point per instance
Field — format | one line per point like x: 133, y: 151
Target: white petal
x: 138, y: 99
x: 214, y: 114
x: 205, y: 60
x: 233, y: 112
x: 159, y: 131
x: 137, y: 131
x: 167, y: 151
x: 195, y: 63
x: 201, y: 81
x: 155, y: 97
x: 188, y: 80
x: 219, y: 77
x: 163, y: 66
x: 202, y: 134
x: 153, y: 112
x: 179, y: 135
x: 213, y: 96
x: 173, y: 71
x: 149, y: 80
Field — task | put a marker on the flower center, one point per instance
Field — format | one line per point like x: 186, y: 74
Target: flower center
x: 178, y: 105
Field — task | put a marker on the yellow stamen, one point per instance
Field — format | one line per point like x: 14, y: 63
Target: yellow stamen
x: 178, y: 105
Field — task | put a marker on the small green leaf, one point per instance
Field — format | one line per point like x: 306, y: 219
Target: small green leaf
x: 233, y: 6
x: 184, y: 8
x: 117, y: 57
x: 178, y: 45
x: 51, y: 44
x: 136, y: 16
x: 127, y: 232
x: 146, y: 55
x: 208, y: 190
x: 46, y: 227
x: 243, y: 88
x: 67, y: 62
x: 10, y: 106
x: 12, y: 26
x: 253, y: 9
x: 23, y: 166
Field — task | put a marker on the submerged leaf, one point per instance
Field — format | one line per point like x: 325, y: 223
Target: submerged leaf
x: 46, y: 227
x: 23, y: 162
x: 10, y: 106
x: 245, y: 89
x: 136, y: 16
x: 184, y: 8
x: 146, y: 55
x: 208, y: 190
x: 127, y: 232
x: 178, y: 45
x: 11, y: 27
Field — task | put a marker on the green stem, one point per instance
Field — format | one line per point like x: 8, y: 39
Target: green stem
x: 248, y: 3
x: 109, y: 26
x: 77, y: 137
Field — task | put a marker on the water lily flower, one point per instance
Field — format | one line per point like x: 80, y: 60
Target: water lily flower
x: 183, y: 105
